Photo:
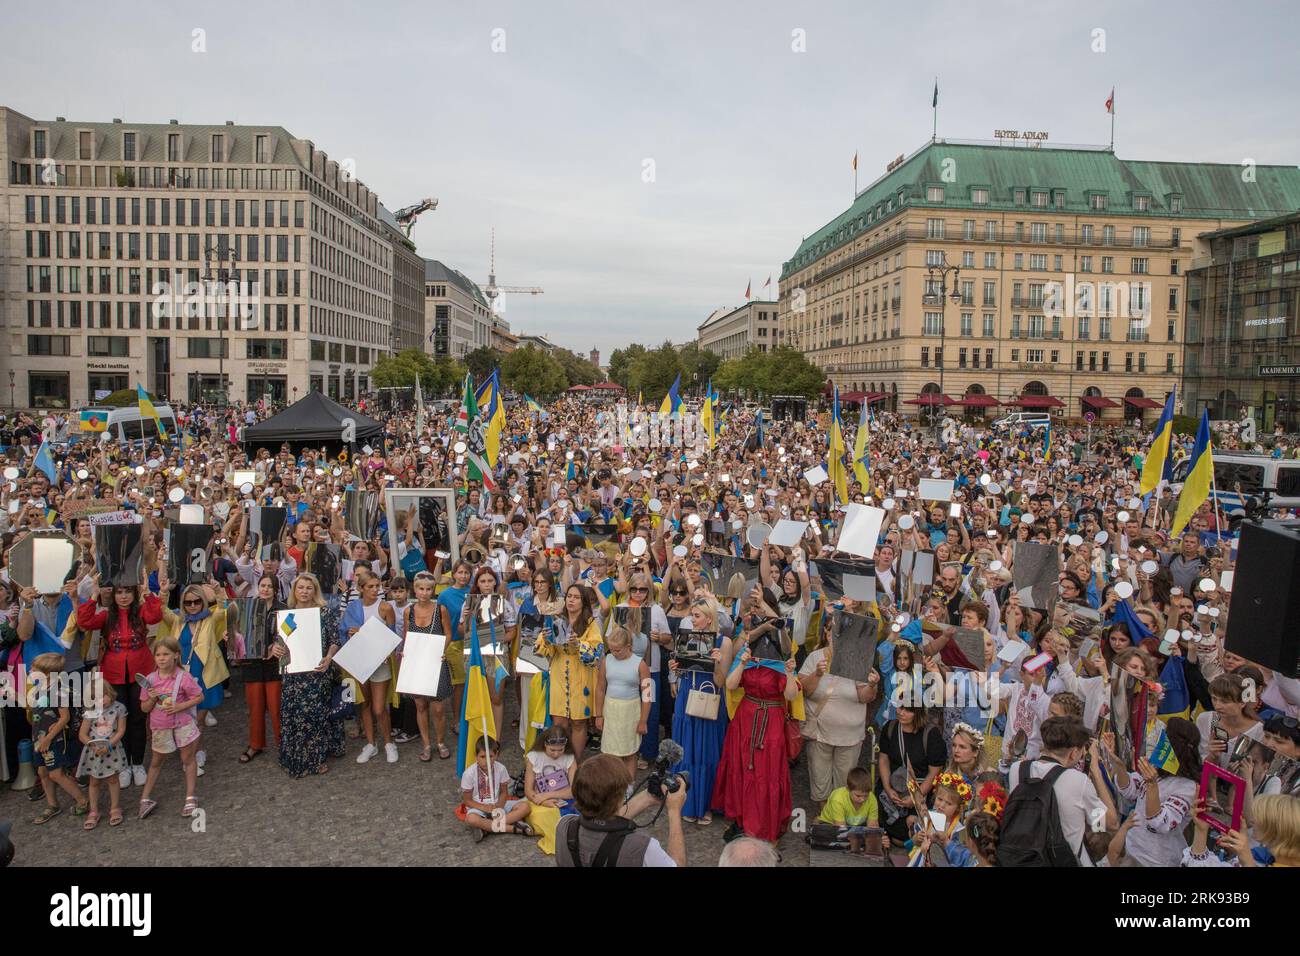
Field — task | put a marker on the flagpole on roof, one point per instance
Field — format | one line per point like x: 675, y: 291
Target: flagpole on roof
x: 934, y: 106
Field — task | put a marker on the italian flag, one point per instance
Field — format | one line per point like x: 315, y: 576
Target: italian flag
x: 469, y: 424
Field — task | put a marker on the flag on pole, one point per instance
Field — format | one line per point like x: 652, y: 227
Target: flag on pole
x: 1200, y: 474
x: 768, y: 283
x: 748, y: 286
x: 419, y: 405
x: 707, y: 419
x: 836, y: 464
x: 45, y: 463
x: 533, y: 404
x: 469, y: 423
x: 672, y: 401
x: 1159, y: 463
x: 488, y: 399
x: 861, y: 468
x: 855, y: 161
x: 148, y: 411
x: 1110, y: 101
x: 476, y: 719
x: 1047, y: 441
x: 935, y: 101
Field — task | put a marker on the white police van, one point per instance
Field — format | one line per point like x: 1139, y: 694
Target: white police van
x: 127, y: 425
x: 1238, y: 476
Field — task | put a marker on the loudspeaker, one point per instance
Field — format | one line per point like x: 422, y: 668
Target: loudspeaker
x: 1264, y: 614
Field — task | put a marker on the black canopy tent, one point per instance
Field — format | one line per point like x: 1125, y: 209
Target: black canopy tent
x: 312, y: 420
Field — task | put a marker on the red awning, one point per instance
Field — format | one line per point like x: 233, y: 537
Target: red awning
x: 979, y: 400
x: 877, y: 396
x: 931, y: 398
x: 609, y: 386
x: 1035, y: 401
x: 856, y: 397
x: 579, y: 388
x: 1143, y: 402
x: 1099, y: 401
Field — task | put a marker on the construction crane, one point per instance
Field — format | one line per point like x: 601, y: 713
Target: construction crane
x: 492, y: 290
x: 406, y: 217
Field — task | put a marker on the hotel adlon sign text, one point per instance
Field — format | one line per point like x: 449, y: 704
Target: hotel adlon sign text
x: 1030, y: 135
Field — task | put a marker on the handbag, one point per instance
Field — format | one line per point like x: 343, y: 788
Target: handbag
x: 551, y: 782
x: 992, y: 746
x: 793, y: 739
x: 703, y: 703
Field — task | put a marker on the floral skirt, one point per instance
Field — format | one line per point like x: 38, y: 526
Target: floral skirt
x: 308, y: 735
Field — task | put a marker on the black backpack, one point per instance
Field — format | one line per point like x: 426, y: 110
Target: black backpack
x: 1031, y: 832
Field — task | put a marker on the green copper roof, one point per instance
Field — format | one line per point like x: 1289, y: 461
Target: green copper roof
x: 1206, y: 190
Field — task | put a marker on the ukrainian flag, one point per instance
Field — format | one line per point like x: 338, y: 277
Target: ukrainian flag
x: 837, y: 448
x: 672, y: 401
x: 148, y: 411
x: 706, y: 416
x: 476, y: 710
x: 488, y: 399
x: 94, y: 420
x: 1159, y: 463
x: 532, y: 403
x: 861, y: 469
x: 1200, y: 476
x: 1162, y: 754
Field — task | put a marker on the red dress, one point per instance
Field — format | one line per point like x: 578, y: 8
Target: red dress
x: 753, y: 781
x: 125, y: 653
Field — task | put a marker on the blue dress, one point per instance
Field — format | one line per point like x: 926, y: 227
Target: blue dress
x: 212, y: 696
x: 700, y: 739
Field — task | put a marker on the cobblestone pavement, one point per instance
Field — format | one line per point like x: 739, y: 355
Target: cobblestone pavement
x: 256, y: 815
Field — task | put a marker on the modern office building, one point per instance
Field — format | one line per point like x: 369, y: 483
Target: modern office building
x: 1070, y: 293
x: 503, y: 340
x: 537, y: 342
x: 730, y: 333
x: 115, y: 239
x: 407, y: 329
x: 457, y: 317
x: 1242, y: 354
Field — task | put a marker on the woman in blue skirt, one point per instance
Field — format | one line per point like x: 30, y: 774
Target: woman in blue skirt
x: 701, y: 737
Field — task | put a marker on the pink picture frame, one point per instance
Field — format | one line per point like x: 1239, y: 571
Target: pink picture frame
x: 1210, y: 775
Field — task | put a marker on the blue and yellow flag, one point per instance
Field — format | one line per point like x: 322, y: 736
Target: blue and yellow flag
x: 839, y: 479
x: 148, y: 411
x: 672, y: 401
x: 1162, y: 754
x: 1200, y: 476
x: 476, y: 717
x: 1047, y: 441
x: 44, y: 461
x: 861, y: 468
x: 493, y: 411
x: 1159, y: 464
x: 533, y: 404
x: 706, y: 416
x: 94, y: 420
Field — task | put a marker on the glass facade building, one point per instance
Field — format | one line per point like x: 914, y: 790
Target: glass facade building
x: 1242, y: 352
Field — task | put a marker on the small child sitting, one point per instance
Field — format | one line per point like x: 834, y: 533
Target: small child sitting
x: 854, y: 805
x: 485, y: 803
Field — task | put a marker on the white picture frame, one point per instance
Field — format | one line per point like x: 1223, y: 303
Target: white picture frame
x: 398, y: 500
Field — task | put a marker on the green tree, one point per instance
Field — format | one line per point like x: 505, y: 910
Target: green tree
x: 481, y: 362
x: 577, y: 370
x: 401, y: 371
x: 532, y: 371
x: 789, y: 373
x: 621, y: 362
x: 654, y: 372
x: 698, y: 365
x: 728, y: 377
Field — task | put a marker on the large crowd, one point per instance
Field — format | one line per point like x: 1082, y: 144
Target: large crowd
x: 1014, y: 664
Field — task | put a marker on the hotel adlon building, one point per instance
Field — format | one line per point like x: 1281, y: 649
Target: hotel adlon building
x: 1070, y: 294
x: 95, y: 218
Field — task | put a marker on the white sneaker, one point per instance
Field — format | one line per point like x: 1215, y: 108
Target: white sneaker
x: 199, y: 772
x: 390, y: 751
x: 368, y: 751
x: 124, y: 779
x: 209, y: 719
x: 138, y: 775
x: 201, y: 758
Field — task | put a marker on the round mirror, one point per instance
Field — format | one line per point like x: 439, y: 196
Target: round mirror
x: 1207, y: 585
x: 637, y: 547
x: 176, y: 495
x: 655, y: 505
x: 139, y: 469
x: 679, y: 551
x: 1149, y: 567
x: 12, y: 473
x: 994, y: 488
x: 905, y: 522
x: 692, y: 521
x: 1026, y: 518
x: 459, y: 448
x: 1101, y: 537
x: 1075, y: 540
x: 153, y: 463
x: 1124, y: 590
x: 1213, y: 612
x: 1122, y: 517
x: 697, y: 540
x: 246, y: 488
x: 888, y: 504
x: 426, y: 449
x: 82, y: 474
x: 995, y: 565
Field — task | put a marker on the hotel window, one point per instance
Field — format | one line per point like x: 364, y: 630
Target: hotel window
x: 128, y: 147
x: 1056, y: 356
x: 990, y: 229
x: 1084, y: 327
x: 961, y: 358
x: 1034, y: 356
x: 967, y: 324
x: 988, y: 325
x: 173, y: 147
x: 1020, y: 261
x: 1108, y: 235
x: 934, y: 194
x: 1173, y: 267
x: 1015, y: 326
x: 1175, y: 203
x: 1141, y: 235
x: 47, y: 344
x: 38, y: 144
x: 967, y: 292
x: 1105, y: 361
x: 1085, y: 234
x: 1038, y: 263
x: 934, y: 228
x: 1173, y: 301
x: 1059, y: 198
x: 1107, y: 263
x: 990, y: 260
x: 1020, y: 231
x: 1036, y: 326
x: 260, y: 151
x: 84, y: 141
x: 968, y: 229
x: 1142, y: 361
x: 1141, y: 203
x: 1039, y: 198
x: 932, y: 323
x: 218, y: 148
x: 1097, y: 202
x: 1038, y: 232
x: 1015, y: 355
x: 1128, y: 361
x: 1085, y: 263
x: 925, y: 357
x: 988, y: 358
x: 979, y: 197
x: 933, y: 257
x: 1018, y: 197
x: 1058, y: 263
x: 968, y: 260
x: 1139, y: 266
x: 1139, y: 303
x: 1078, y: 361
x: 1169, y: 361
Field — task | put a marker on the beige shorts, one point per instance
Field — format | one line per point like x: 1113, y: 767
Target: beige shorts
x: 173, y: 739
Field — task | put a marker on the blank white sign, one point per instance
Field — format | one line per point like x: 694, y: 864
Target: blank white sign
x: 935, y: 489
x: 787, y: 533
x: 367, y: 649
x: 861, y: 530
x: 421, y: 664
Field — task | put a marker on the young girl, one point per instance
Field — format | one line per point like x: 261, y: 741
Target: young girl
x: 169, y: 696
x: 484, y: 792
x: 621, y: 709
x: 1231, y: 718
x: 548, y: 783
x: 103, y: 757
x: 950, y: 796
x: 50, y: 742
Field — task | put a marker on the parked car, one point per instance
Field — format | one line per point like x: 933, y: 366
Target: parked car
x: 1014, y: 421
x: 1238, y: 476
x: 127, y: 425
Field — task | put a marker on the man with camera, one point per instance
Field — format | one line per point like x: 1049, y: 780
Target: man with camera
x: 603, y: 833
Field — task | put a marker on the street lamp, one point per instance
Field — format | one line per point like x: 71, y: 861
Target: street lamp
x: 937, y: 295
x: 11, y: 389
x: 222, y: 253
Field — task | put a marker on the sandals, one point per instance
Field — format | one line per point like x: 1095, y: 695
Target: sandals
x: 444, y: 752
x: 115, y: 818
x: 147, y: 807
x: 426, y: 755
x: 523, y: 829
x: 322, y: 769
x: 191, y: 804
x: 249, y: 754
x: 92, y: 820
x: 81, y: 809
x: 705, y: 820
x: 47, y: 814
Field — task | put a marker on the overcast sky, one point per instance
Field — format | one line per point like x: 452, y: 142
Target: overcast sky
x: 751, y: 141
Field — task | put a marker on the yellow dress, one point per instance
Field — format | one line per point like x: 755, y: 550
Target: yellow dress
x: 573, y: 683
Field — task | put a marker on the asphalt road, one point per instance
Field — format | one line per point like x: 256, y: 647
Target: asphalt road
x: 256, y: 815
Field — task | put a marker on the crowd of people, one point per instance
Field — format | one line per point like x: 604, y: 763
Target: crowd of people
x: 639, y: 594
